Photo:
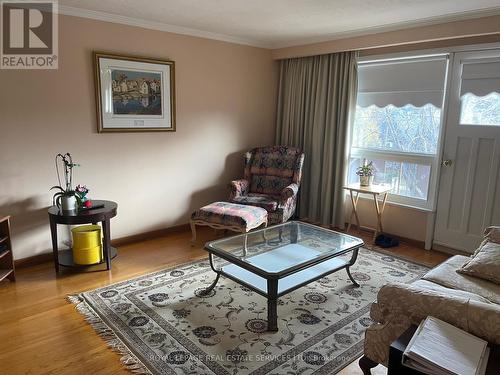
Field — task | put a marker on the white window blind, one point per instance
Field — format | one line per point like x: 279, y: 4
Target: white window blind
x: 481, y: 78
x: 416, y: 81
x: 397, y: 125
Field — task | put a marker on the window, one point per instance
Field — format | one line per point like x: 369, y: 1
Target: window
x: 480, y: 110
x: 406, y: 129
x: 480, y: 93
x: 407, y: 179
x: 397, y: 125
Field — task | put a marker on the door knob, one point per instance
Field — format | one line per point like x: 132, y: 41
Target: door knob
x: 447, y: 163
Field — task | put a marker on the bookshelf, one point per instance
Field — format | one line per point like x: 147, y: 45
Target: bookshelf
x: 7, y: 270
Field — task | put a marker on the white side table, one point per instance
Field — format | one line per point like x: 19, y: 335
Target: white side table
x: 375, y: 191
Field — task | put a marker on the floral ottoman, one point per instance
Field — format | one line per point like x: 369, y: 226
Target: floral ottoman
x: 225, y: 215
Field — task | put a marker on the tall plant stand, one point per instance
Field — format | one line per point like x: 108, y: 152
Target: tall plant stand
x: 88, y: 216
x: 375, y: 191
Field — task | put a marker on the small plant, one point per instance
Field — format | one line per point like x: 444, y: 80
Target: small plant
x: 366, y: 170
x: 64, y: 162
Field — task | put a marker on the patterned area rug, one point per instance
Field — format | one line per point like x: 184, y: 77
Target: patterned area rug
x: 162, y: 324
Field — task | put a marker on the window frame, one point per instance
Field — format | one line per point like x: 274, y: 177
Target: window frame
x: 431, y: 160
x: 422, y: 159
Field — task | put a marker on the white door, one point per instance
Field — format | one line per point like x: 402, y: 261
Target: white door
x: 469, y: 193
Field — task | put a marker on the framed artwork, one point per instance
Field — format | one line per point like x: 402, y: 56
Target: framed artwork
x: 134, y: 94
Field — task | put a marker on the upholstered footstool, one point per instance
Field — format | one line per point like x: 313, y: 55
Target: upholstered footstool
x: 231, y: 216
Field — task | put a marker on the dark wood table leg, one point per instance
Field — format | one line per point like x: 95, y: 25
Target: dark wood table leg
x: 55, y: 249
x: 351, y: 262
x: 214, y: 283
x: 366, y: 364
x: 272, y: 305
x: 107, y: 242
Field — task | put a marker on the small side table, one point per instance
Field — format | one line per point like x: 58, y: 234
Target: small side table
x: 399, y: 346
x: 373, y: 190
x: 93, y: 216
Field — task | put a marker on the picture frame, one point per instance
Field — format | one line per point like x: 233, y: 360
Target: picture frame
x: 133, y: 93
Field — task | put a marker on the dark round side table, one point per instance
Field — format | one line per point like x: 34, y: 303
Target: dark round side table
x: 89, y: 216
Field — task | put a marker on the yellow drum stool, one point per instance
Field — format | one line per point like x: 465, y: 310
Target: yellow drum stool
x: 87, y: 247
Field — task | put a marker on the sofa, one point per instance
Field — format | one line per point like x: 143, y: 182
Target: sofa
x: 271, y: 181
x: 468, y: 302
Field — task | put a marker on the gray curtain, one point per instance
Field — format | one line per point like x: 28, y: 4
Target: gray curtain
x: 316, y: 98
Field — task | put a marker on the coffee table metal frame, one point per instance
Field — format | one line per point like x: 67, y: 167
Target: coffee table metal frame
x: 272, y: 278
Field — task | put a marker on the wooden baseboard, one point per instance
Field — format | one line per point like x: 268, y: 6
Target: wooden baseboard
x: 122, y: 241
x: 33, y: 260
x: 406, y: 240
x: 449, y: 250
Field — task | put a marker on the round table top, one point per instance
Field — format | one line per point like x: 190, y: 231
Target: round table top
x: 84, y: 216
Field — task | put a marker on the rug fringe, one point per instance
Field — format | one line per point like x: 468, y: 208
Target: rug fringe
x: 128, y: 359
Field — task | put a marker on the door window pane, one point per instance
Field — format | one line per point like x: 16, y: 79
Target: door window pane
x: 480, y: 110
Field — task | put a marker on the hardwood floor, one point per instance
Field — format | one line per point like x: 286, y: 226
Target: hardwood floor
x: 41, y: 333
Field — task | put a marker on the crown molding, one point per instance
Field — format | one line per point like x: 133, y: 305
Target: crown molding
x: 429, y: 21
x: 160, y: 26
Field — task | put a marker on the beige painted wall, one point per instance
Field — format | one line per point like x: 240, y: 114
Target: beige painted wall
x: 225, y: 104
x: 485, y: 26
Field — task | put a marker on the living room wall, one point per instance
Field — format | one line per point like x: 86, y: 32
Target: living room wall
x: 225, y: 96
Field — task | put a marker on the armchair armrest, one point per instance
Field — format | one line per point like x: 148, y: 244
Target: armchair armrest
x: 399, y: 306
x: 290, y: 191
x: 400, y: 302
x: 238, y: 188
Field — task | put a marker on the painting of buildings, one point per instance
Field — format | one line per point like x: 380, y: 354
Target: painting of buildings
x: 136, y: 93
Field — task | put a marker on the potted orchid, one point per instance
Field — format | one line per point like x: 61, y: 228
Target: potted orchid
x: 65, y: 198
x: 365, y: 173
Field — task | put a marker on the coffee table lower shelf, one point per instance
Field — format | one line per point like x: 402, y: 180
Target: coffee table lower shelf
x: 286, y: 284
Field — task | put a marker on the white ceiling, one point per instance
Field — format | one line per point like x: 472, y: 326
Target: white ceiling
x: 279, y: 23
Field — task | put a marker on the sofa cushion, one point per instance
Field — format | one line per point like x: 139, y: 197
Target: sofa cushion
x: 485, y: 263
x: 267, y: 202
x: 445, y: 274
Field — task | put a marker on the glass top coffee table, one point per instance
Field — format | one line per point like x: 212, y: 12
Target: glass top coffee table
x: 275, y: 261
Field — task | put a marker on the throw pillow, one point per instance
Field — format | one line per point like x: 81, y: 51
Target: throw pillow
x: 485, y: 263
x: 492, y: 234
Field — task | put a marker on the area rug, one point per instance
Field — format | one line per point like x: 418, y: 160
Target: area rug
x: 162, y: 324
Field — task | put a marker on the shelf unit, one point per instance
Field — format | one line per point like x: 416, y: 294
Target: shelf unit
x: 7, y: 270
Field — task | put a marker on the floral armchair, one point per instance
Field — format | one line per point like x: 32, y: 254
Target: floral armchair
x: 271, y: 181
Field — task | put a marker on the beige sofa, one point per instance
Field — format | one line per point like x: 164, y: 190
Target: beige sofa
x: 470, y: 303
